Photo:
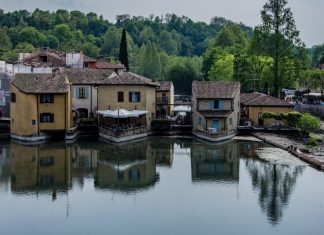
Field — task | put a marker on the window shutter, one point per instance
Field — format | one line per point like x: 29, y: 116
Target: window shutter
x: 139, y: 96
x: 41, y: 118
x: 52, y: 117
x: 77, y: 92
x: 86, y: 92
x: 220, y: 104
x: 212, y: 104
x: 130, y: 97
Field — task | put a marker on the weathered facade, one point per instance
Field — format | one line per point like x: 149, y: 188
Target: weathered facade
x: 254, y: 104
x: 128, y: 91
x: 164, y: 98
x: 215, y: 109
x: 40, y: 104
x: 84, y: 89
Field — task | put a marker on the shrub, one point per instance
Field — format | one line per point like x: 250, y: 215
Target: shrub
x: 309, y: 123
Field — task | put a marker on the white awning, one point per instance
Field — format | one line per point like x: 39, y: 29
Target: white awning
x: 182, y: 108
x: 121, y: 113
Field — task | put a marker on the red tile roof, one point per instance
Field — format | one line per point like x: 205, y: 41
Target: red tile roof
x: 263, y: 100
x: 165, y: 85
x: 215, y: 90
x: 40, y: 83
x: 105, y: 65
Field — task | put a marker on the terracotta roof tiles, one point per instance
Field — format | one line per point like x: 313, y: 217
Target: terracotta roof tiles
x: 259, y: 99
x: 215, y: 90
x: 41, y: 83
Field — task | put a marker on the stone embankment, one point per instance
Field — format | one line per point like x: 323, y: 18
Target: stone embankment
x: 313, y: 156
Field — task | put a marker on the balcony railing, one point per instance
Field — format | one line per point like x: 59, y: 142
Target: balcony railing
x: 162, y: 100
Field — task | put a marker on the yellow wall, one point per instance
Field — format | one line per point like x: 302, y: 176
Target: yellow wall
x: 27, y: 170
x: 108, y: 99
x: 254, y: 111
x: 59, y: 113
x: 28, y: 107
x: 22, y: 112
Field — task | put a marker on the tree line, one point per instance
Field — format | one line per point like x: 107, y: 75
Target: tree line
x: 266, y: 59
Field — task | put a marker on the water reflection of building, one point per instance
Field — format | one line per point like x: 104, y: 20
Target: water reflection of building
x: 274, y: 184
x: 162, y: 151
x: 40, y: 167
x: 127, y: 167
x: 4, y: 165
x: 215, y: 162
x: 248, y: 148
x: 85, y: 162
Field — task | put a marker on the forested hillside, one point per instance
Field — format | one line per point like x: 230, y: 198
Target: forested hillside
x: 95, y: 36
x: 172, y: 47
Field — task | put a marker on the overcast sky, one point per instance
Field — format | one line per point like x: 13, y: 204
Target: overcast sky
x: 308, y: 14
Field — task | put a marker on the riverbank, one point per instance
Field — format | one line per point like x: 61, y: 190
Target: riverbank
x: 312, y: 155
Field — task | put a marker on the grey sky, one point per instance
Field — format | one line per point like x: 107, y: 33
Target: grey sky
x: 307, y: 13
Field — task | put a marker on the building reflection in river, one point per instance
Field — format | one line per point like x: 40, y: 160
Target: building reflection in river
x: 4, y: 166
x: 40, y: 167
x: 126, y: 167
x: 215, y: 162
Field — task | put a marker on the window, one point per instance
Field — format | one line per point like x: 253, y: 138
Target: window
x: 13, y: 97
x: 47, y: 117
x: 134, y: 96
x: 200, y: 121
x: 46, y: 98
x: 81, y: 92
x: 231, y: 121
x: 215, y: 104
x: 120, y: 96
x: 33, y: 122
x: 46, y: 161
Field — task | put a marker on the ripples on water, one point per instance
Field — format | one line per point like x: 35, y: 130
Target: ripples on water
x: 155, y: 186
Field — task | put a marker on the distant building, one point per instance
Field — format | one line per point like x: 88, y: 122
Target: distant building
x: 164, y: 98
x: 254, y: 104
x: 41, y: 105
x: 215, y: 109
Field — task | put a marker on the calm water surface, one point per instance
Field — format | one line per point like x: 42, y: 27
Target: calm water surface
x: 157, y: 186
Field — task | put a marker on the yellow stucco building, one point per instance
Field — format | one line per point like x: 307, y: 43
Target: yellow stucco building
x: 254, y: 104
x: 127, y: 92
x: 40, y: 106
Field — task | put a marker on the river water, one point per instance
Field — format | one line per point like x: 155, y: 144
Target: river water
x: 157, y: 186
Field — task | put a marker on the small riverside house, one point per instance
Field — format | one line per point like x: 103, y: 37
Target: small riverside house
x: 254, y: 104
x: 40, y: 106
x: 164, y: 98
x: 126, y: 104
x: 215, y: 109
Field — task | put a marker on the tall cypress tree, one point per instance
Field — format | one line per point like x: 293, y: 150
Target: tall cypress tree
x: 123, y: 55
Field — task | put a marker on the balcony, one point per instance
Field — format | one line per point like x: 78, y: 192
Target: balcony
x: 162, y: 100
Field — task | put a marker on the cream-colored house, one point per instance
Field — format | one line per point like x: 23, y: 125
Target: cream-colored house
x: 126, y: 104
x: 40, y: 106
x: 84, y: 89
x: 215, y: 109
